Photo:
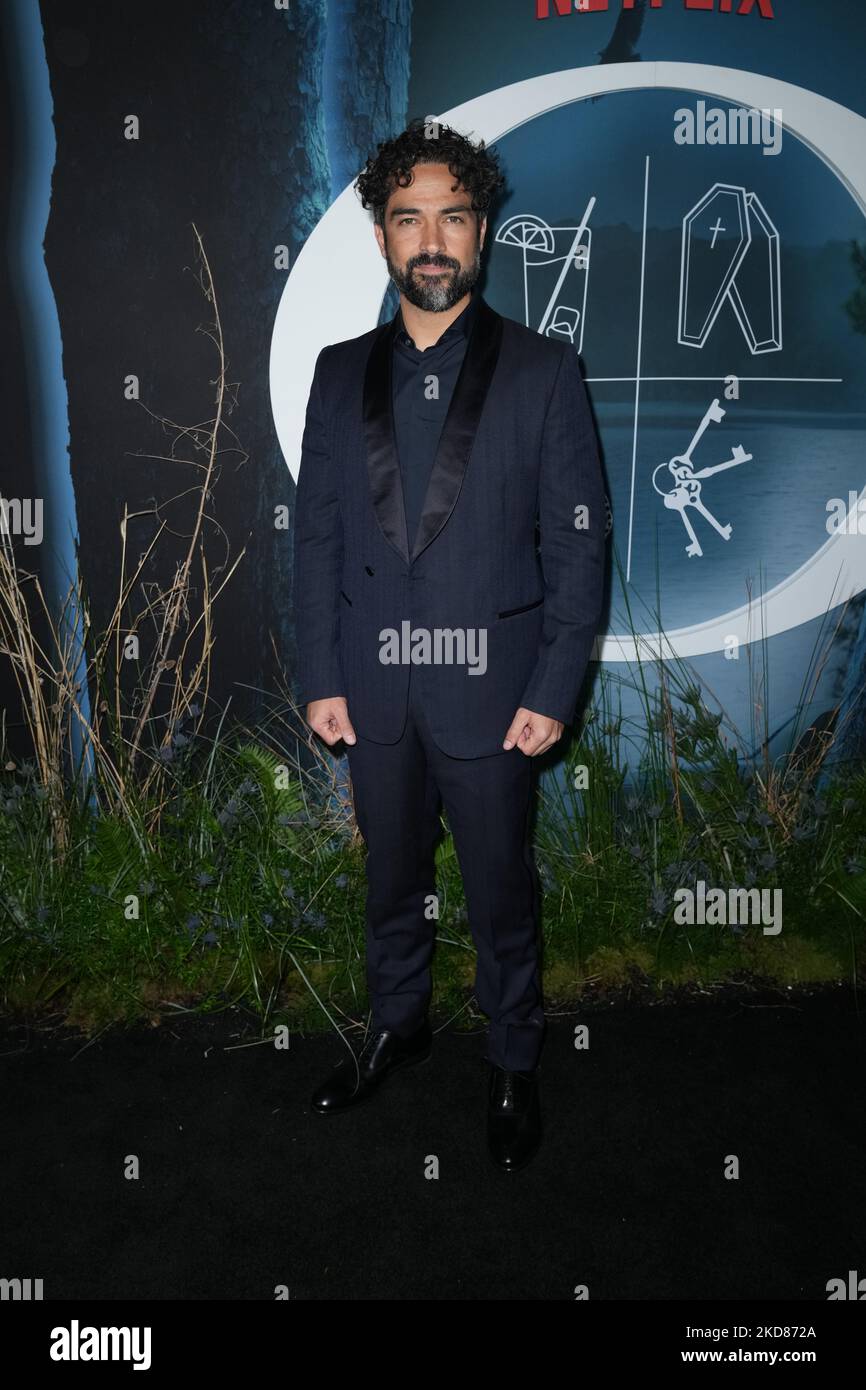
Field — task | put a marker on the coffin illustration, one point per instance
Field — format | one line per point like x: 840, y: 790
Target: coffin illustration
x: 730, y: 250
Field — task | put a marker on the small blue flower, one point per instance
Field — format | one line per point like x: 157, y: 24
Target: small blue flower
x: 204, y: 879
x: 341, y: 881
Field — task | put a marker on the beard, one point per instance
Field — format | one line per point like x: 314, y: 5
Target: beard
x: 435, y: 293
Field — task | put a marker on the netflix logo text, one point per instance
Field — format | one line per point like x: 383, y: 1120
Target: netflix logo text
x: 544, y: 9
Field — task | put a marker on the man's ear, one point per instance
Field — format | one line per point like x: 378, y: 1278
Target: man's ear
x: 482, y: 230
x: 380, y: 238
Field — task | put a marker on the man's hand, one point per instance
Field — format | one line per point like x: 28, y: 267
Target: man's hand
x: 533, y: 733
x: 330, y: 720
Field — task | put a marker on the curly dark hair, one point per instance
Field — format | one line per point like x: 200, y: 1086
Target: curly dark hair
x: 475, y: 166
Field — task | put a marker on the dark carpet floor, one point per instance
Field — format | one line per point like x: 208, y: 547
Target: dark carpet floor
x: 242, y: 1188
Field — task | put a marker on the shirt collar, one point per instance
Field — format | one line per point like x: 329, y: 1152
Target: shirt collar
x: 462, y: 324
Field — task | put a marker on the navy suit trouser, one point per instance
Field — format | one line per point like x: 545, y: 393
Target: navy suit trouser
x: 399, y: 790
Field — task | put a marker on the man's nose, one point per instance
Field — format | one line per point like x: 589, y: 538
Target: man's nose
x: 432, y: 242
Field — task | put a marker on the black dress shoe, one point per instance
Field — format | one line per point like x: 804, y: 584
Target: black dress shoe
x: 513, y: 1117
x: 383, y: 1053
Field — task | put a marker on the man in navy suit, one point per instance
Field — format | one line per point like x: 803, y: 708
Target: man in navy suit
x: 439, y: 636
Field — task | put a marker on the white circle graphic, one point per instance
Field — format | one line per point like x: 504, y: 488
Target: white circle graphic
x: 335, y: 290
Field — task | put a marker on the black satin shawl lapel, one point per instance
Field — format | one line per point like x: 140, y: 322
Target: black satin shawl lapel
x: 455, y: 442
x: 386, y: 487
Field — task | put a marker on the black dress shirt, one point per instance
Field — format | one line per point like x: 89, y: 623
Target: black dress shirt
x: 420, y: 406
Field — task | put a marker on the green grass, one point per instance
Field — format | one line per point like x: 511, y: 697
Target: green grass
x: 252, y: 891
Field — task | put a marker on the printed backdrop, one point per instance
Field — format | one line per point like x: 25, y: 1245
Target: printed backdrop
x: 685, y: 203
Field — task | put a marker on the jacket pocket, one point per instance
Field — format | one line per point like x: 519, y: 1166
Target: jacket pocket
x: 512, y: 612
x: 346, y: 597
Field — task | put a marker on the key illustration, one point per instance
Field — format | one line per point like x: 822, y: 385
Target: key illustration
x: 686, y: 491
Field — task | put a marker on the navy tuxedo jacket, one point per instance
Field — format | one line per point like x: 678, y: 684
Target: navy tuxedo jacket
x: 517, y: 449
